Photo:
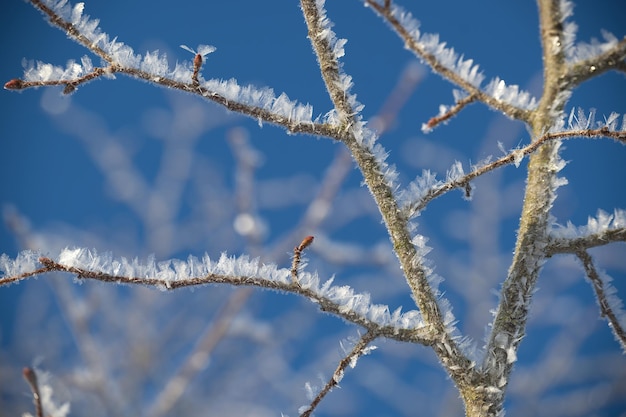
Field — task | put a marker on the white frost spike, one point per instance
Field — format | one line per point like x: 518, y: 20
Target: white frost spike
x: 510, y: 94
x: 203, y: 50
x: 455, y: 172
x: 419, y: 188
x: 602, y: 223
x: 77, y: 12
x: 310, y: 391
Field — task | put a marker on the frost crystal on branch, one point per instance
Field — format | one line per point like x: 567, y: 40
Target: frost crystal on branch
x: 583, y: 50
x: 580, y: 119
x: 511, y: 94
x: 41, y: 71
x: 595, y: 225
x: 227, y: 270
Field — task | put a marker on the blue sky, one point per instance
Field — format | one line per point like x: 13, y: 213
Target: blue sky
x: 49, y: 177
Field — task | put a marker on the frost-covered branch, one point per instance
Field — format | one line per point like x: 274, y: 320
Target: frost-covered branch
x: 341, y: 301
x: 588, y: 59
x: 360, y: 348
x: 511, y: 316
x: 380, y: 179
x: 608, y: 59
x: 446, y: 62
x: 446, y: 113
x: 611, y: 306
x: 259, y: 103
x: 426, y: 188
x: 601, y: 230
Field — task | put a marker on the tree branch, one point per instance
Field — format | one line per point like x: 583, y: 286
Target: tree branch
x: 607, y: 308
x: 410, y: 209
x: 374, y: 171
x: 359, y: 349
x: 576, y: 245
x: 581, y: 71
x: 411, y: 43
x: 31, y: 377
x: 293, y: 121
x: 339, y: 301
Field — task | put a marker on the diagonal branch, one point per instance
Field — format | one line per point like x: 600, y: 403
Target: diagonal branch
x: 603, y: 291
x: 468, y: 83
x: 359, y: 349
x: 379, y: 179
x: 260, y: 104
x: 410, y: 209
x: 575, y: 245
x: 581, y: 71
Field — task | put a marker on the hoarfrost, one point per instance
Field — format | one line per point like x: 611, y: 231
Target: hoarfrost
x: 168, y: 271
x: 510, y: 94
x: 602, y: 223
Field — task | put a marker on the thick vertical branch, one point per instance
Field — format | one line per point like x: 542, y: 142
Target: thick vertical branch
x: 510, y: 321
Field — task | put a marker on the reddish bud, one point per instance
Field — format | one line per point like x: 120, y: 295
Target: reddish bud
x: 197, y: 61
x: 305, y: 243
x: 30, y: 376
x: 14, y: 84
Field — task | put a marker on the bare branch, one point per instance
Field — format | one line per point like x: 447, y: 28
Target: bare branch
x: 607, y: 309
x: 451, y: 112
x: 359, y: 349
x: 297, y: 256
x: 31, y: 377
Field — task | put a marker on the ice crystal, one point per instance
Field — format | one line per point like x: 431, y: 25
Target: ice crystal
x: 602, y: 223
x: 510, y: 94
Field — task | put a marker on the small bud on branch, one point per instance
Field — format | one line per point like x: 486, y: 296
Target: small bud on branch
x: 14, y: 84
x: 297, y: 256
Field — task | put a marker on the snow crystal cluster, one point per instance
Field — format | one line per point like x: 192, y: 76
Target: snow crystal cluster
x: 577, y: 52
x: 423, y: 185
x: 40, y: 71
x: 511, y: 94
x: 580, y: 119
x: 262, y: 98
x: 598, y: 225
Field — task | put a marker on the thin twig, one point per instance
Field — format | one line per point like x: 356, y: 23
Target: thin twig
x: 600, y: 290
x: 31, y: 377
x: 611, y: 59
x: 357, y: 351
x: 453, y: 111
x: 297, y: 256
x: 409, y: 41
x: 575, y: 245
x: 412, y: 208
